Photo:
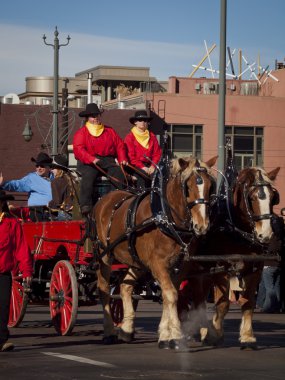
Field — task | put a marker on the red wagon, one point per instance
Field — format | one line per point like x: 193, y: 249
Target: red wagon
x: 64, y: 275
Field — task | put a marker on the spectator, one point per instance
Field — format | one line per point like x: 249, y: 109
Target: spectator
x: 13, y: 249
x: 97, y: 146
x: 36, y: 184
x: 63, y: 188
x: 268, y: 295
x: 141, y: 143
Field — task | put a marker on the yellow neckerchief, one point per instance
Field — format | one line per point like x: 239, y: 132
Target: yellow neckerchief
x: 2, y: 215
x: 95, y: 130
x: 141, y: 137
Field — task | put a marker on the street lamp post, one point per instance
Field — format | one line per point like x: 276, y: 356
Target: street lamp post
x: 56, y: 46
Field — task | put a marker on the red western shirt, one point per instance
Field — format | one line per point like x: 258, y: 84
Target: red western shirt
x: 137, y: 152
x: 14, y: 248
x: 109, y: 143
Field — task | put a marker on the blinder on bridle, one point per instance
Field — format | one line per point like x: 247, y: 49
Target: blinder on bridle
x: 260, y: 184
x: 275, y: 198
x: 199, y: 181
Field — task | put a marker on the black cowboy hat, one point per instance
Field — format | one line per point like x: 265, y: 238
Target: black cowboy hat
x: 5, y: 197
x: 60, y: 162
x: 140, y: 115
x: 91, y: 110
x: 42, y: 159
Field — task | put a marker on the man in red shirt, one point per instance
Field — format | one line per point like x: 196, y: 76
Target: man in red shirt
x: 14, y: 251
x: 96, y: 145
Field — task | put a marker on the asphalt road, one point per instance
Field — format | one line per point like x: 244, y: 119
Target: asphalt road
x: 41, y: 354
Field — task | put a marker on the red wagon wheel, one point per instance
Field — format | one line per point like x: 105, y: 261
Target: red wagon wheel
x: 18, y: 303
x: 63, y: 297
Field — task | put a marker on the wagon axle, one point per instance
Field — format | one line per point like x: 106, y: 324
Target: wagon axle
x: 59, y: 297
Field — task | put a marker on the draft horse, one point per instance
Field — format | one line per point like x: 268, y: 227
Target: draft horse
x: 239, y: 244
x: 129, y: 232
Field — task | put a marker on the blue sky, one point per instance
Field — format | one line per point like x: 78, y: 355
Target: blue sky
x: 165, y: 35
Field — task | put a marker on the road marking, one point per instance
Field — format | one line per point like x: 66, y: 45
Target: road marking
x: 79, y: 359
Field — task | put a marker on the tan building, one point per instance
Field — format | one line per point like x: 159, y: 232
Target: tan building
x: 104, y: 83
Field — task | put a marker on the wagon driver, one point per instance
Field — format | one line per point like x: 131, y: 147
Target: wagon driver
x: 97, y: 145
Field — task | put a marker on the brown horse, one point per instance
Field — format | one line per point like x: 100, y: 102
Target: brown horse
x: 155, y: 243
x: 239, y: 246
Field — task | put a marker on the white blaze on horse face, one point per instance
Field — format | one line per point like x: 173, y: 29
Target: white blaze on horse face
x: 263, y: 227
x: 200, y: 220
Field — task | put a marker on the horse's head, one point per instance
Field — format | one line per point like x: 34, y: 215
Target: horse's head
x: 198, y: 184
x: 254, y: 198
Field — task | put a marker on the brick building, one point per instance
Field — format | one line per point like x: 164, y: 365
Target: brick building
x: 254, y: 120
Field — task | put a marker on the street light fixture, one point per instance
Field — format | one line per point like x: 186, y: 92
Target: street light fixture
x: 27, y: 132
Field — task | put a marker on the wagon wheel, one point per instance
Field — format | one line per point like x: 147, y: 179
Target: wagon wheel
x: 116, y: 306
x: 18, y: 303
x: 63, y: 297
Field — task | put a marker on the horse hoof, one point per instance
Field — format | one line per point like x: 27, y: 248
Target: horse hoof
x: 248, y: 346
x: 178, y: 344
x: 213, y: 342
x: 126, y: 337
x: 163, y: 344
x: 112, y: 339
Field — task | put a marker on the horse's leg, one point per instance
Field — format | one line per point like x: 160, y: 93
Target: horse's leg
x: 170, y: 334
x: 126, y: 332
x: 247, y: 302
x: 103, y: 276
x: 196, y: 322
x: 215, y: 334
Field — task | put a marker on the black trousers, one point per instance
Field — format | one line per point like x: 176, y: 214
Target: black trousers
x: 5, y: 295
x: 90, y: 174
x: 142, y: 181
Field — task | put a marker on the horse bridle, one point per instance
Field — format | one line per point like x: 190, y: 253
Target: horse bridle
x: 185, y: 190
x: 261, y: 195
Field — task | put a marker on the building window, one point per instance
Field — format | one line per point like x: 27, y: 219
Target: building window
x: 247, y: 145
x: 186, y: 140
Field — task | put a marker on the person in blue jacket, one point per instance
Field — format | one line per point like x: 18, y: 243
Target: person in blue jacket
x: 37, y: 184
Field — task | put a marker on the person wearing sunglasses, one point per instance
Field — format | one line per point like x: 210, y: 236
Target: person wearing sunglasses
x: 142, y: 148
x: 97, y: 147
x: 37, y: 184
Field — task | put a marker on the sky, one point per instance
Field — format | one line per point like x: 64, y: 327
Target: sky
x: 168, y: 36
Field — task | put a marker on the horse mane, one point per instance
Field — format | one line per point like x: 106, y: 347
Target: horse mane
x: 175, y: 167
x: 251, y: 176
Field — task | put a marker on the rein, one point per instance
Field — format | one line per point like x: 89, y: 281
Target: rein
x: 114, y: 179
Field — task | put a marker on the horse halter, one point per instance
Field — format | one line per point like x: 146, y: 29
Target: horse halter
x: 259, y: 184
x: 199, y: 181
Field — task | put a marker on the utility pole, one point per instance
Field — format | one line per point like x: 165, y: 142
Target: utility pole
x: 222, y: 89
x: 56, y: 46
x: 64, y: 126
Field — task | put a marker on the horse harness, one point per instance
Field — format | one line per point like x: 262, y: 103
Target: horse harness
x: 161, y: 216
